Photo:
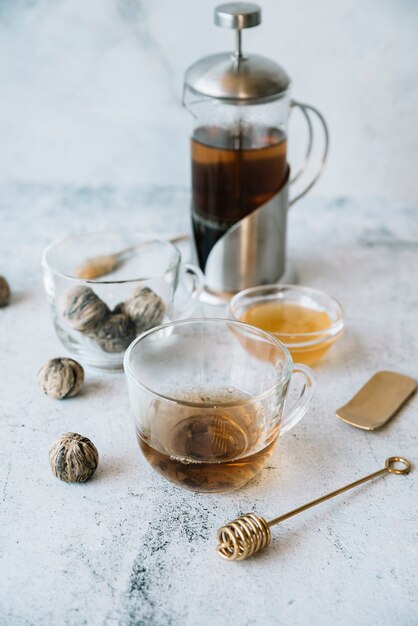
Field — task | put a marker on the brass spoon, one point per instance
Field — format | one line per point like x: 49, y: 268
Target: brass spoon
x: 249, y: 533
x: 105, y: 264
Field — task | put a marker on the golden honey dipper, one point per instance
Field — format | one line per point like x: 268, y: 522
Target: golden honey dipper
x: 250, y: 533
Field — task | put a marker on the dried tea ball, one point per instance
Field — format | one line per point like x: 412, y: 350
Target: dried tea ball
x: 145, y: 308
x: 78, y: 372
x: 73, y: 458
x: 4, y: 292
x: 115, y: 333
x: 119, y: 308
x: 61, y: 378
x: 83, y: 309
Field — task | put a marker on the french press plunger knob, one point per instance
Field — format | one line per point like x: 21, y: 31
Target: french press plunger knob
x: 238, y: 15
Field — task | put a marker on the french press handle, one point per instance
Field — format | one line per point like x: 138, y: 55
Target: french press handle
x: 307, y: 110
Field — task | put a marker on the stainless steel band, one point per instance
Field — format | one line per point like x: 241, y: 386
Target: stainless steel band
x: 252, y: 252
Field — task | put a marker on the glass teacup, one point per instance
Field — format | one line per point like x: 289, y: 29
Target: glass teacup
x: 208, y: 412
x: 143, y: 285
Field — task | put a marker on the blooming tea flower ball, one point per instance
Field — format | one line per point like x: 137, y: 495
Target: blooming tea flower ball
x: 83, y: 309
x: 115, y: 333
x: 61, y: 378
x: 145, y: 308
x: 4, y: 292
x: 73, y: 458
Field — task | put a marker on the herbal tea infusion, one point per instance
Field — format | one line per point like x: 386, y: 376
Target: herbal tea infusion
x: 209, y: 448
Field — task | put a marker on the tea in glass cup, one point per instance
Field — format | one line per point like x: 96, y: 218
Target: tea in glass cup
x: 208, y: 413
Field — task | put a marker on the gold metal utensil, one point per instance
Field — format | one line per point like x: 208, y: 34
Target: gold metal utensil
x: 378, y: 400
x: 105, y: 264
x: 249, y: 533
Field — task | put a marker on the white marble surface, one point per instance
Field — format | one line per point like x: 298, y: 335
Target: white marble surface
x: 90, y: 91
x: 128, y: 548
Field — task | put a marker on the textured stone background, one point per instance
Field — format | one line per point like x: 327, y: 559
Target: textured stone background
x: 128, y: 548
x: 90, y: 91
x: 89, y: 110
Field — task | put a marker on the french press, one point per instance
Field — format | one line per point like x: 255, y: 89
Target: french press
x: 240, y: 175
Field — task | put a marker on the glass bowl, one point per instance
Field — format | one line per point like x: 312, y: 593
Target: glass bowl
x: 307, y: 321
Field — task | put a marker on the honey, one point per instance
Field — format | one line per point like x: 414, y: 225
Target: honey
x: 290, y: 323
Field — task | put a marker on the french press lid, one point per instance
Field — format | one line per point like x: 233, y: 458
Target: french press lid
x: 236, y: 77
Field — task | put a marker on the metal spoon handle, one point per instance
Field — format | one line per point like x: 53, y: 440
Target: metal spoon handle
x: 104, y: 264
x: 390, y: 466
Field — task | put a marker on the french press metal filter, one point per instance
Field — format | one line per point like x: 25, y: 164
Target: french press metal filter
x: 240, y: 175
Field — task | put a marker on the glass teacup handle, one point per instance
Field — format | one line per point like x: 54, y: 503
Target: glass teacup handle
x: 307, y: 110
x: 191, y: 282
x: 305, y: 397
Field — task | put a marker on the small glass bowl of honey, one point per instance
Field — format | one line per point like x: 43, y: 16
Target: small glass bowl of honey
x: 307, y: 321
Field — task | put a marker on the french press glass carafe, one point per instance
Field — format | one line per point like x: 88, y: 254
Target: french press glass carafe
x: 240, y: 175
